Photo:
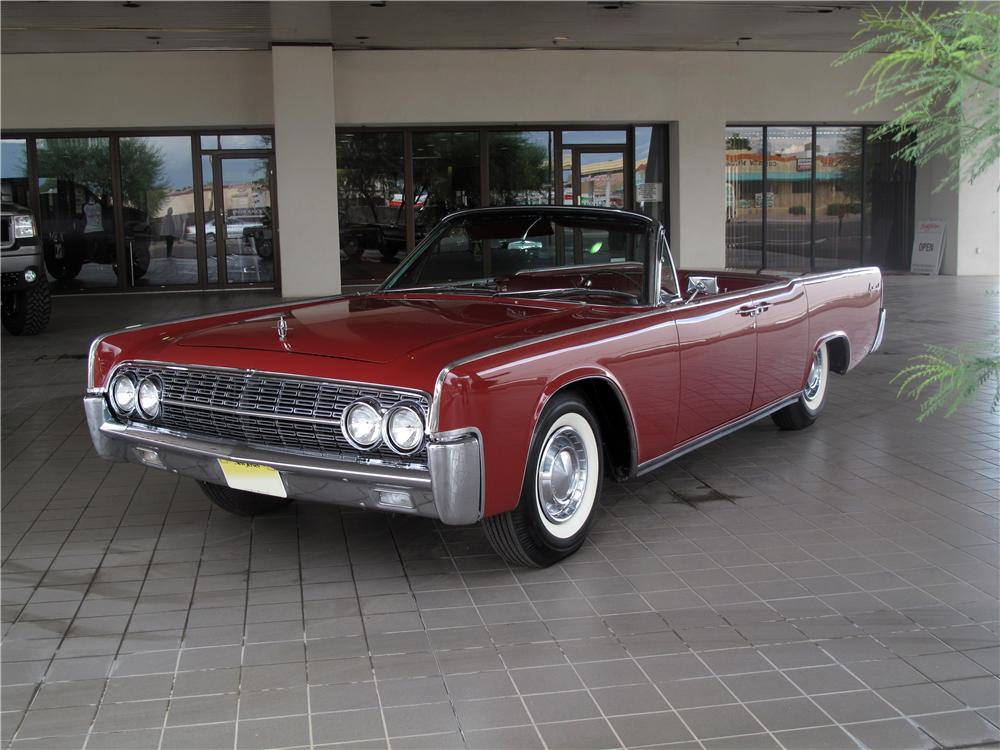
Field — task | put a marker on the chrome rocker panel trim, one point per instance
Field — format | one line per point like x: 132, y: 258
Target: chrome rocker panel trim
x: 713, y: 435
x: 451, y: 490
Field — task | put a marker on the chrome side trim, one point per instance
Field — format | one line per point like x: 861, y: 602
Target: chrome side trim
x: 435, y: 409
x: 713, y: 435
x: 879, y: 332
x: 830, y: 337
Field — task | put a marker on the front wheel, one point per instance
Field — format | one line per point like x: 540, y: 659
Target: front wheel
x: 803, y: 412
x: 241, y: 502
x: 561, y: 487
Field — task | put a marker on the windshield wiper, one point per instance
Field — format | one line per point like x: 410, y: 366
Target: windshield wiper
x: 472, y: 286
x: 569, y: 291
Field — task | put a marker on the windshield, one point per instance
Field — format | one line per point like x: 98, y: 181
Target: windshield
x: 601, y: 256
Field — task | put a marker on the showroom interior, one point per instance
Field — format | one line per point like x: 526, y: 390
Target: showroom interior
x: 835, y: 588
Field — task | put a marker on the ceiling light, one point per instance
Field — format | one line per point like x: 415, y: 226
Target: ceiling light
x: 361, y: 38
x: 377, y: 5
x: 130, y: 4
x: 557, y: 39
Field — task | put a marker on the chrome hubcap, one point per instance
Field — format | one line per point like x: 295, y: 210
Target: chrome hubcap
x: 815, y: 376
x: 562, y: 475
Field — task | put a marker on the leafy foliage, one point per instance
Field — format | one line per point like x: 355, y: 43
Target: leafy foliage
x: 948, y: 376
x: 943, y: 69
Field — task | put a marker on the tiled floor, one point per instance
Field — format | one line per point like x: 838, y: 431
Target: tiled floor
x: 831, y: 588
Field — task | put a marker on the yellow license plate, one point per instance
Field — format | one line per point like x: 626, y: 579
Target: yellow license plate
x: 252, y: 477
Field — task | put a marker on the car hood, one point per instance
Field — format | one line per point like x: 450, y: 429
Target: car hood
x: 383, y: 329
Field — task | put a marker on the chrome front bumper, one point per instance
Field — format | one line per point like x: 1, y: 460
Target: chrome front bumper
x: 451, y: 489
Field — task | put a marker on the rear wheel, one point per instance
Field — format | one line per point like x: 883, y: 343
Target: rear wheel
x: 561, y: 488
x: 803, y: 412
x: 26, y: 312
x: 241, y: 502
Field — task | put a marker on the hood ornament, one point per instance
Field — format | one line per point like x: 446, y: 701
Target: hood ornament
x: 282, y: 328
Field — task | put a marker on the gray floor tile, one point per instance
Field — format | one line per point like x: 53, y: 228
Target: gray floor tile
x: 894, y: 734
x: 961, y: 729
x: 205, y: 737
x: 788, y: 713
x: 590, y: 734
x: 514, y: 738
x: 348, y: 726
x: 859, y: 555
x: 488, y: 713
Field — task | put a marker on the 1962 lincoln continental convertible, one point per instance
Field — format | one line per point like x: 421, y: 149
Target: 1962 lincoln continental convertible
x: 514, y: 360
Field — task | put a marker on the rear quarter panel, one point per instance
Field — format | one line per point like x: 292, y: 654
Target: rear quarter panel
x: 844, y: 303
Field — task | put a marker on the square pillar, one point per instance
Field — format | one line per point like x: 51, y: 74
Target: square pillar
x: 305, y: 149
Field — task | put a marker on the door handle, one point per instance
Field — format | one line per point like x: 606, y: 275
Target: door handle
x: 752, y: 311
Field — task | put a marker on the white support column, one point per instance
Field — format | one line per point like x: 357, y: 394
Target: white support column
x: 697, y: 191
x: 306, y: 162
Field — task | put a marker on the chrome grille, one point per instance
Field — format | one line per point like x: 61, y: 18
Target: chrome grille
x: 273, y: 411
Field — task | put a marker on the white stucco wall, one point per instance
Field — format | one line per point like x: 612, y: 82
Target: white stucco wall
x: 698, y: 92
x: 141, y: 90
x: 305, y: 150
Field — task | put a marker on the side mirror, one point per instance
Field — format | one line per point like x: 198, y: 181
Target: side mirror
x: 702, y: 285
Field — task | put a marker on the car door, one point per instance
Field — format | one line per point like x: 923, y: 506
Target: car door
x: 782, y: 319
x: 718, y: 357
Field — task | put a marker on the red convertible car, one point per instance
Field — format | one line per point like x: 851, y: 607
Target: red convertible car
x: 517, y: 358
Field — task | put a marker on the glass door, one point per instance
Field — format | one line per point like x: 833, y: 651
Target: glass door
x: 240, y: 239
x: 595, y: 176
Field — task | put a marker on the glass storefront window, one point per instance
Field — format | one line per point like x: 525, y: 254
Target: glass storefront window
x: 602, y: 179
x: 445, y: 176
x: 887, y: 205
x: 744, y: 205
x: 789, y: 198
x: 259, y: 141
x: 650, y: 171
x: 208, y: 202
x: 372, y: 212
x: 77, y: 212
x: 837, y: 232
x: 863, y: 199
x: 14, y: 171
x: 520, y: 168
x: 158, y: 210
x: 246, y: 231
x: 574, y: 137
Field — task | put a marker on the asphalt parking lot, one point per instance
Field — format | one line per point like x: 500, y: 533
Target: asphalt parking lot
x: 833, y: 588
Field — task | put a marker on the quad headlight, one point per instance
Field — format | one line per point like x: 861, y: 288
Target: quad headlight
x: 148, y: 397
x: 362, y: 424
x: 403, y: 428
x: 123, y: 394
x: 365, y: 424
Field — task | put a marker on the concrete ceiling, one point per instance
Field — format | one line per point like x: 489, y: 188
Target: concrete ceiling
x: 145, y: 25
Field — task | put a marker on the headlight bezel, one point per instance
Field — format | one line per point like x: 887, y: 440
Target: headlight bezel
x: 344, y: 421
x: 387, y: 438
x: 157, y: 384
x: 23, y: 226
x: 113, y: 394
